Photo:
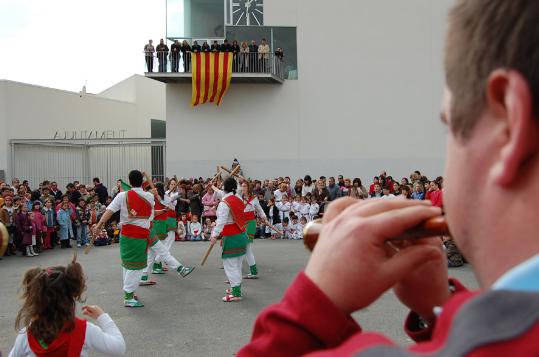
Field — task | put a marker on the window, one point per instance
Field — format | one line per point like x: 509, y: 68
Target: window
x: 187, y: 19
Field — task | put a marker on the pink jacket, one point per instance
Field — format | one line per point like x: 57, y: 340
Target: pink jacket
x: 39, y: 220
x: 210, y: 203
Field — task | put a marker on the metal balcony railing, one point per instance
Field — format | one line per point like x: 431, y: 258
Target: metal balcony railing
x: 244, y: 62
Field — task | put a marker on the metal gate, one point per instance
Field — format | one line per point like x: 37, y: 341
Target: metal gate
x: 78, y: 160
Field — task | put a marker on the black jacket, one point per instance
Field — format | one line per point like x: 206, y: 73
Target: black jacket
x: 226, y: 47
x: 162, y: 50
x: 196, y: 48
x: 205, y: 48
x: 175, y: 50
x: 101, y: 192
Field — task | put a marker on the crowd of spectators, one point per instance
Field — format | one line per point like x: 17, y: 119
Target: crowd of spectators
x: 41, y: 218
x: 247, y: 57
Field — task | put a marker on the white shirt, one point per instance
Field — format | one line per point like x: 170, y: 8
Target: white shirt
x: 105, y: 338
x: 307, y: 189
x: 278, y: 195
x: 195, y: 229
x: 119, y: 203
x: 284, y: 209
x: 224, y: 217
x: 254, y: 206
x: 172, y: 197
x: 313, y: 210
x: 305, y: 209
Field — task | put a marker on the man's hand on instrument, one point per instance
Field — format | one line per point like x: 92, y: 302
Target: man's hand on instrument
x: 427, y: 286
x: 352, y: 264
x: 213, y: 239
x: 95, y: 229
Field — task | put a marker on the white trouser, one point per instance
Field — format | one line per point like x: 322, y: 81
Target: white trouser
x: 158, y: 249
x: 233, y: 270
x: 167, y: 243
x: 249, y: 255
x: 131, y: 279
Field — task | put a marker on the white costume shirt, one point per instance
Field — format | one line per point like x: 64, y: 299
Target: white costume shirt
x: 172, y: 197
x: 296, y: 207
x: 119, y: 203
x: 278, y: 195
x: 305, y: 209
x: 254, y: 206
x: 105, y: 338
x: 313, y: 210
x: 284, y: 209
x: 224, y: 217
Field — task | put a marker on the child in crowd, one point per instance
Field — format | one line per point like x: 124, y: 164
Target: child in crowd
x: 302, y: 224
x: 64, y: 220
x: 24, y: 227
x: 50, y: 225
x: 51, y: 328
x: 285, y: 228
x: 284, y: 207
x: 182, y: 227
x: 313, y: 209
x: 208, y: 227
x: 195, y: 229
x: 81, y: 221
x: 274, y: 218
x: 295, y: 229
x: 39, y: 221
x: 296, y: 205
x: 305, y: 208
x: 33, y: 247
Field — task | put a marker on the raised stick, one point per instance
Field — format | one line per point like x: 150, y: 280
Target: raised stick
x: 234, y: 172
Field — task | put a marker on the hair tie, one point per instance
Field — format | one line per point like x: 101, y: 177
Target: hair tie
x: 49, y: 271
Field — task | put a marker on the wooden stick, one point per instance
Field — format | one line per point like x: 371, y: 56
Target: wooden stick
x: 149, y: 180
x: 207, y: 254
x: 234, y: 172
x: 92, y: 240
x: 274, y: 228
x: 216, y: 175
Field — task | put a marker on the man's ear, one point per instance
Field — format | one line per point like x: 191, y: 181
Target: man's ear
x: 509, y: 99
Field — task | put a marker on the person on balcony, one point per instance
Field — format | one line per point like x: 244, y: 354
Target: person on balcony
x: 279, y: 57
x: 205, y: 47
x: 175, y: 55
x: 263, y: 55
x: 186, y: 53
x: 215, y: 47
x: 225, y: 47
x: 244, y: 57
x: 162, y: 54
x: 253, y: 54
x: 236, y: 51
x: 196, y: 47
x: 148, y: 55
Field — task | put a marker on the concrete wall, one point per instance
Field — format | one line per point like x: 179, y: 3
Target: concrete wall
x: 372, y: 105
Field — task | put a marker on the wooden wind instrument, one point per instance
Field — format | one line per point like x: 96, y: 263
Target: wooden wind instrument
x: 432, y: 227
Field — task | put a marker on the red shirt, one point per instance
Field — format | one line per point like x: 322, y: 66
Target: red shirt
x: 435, y: 197
x: 495, y: 323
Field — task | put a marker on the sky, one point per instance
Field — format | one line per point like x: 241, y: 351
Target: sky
x: 65, y: 43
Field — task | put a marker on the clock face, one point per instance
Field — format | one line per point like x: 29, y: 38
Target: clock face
x: 246, y: 12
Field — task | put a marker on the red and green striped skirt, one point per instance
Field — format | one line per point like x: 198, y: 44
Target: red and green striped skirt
x: 134, y: 247
x: 234, y: 245
x: 250, y: 229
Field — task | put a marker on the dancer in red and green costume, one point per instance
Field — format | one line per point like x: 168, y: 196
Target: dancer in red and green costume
x: 252, y: 209
x: 157, y: 247
x: 230, y: 226
x: 136, y: 213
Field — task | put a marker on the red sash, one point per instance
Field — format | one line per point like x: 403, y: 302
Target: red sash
x: 249, y: 216
x: 137, y: 206
x: 65, y: 344
x: 132, y: 231
x: 236, y: 210
x: 159, y: 206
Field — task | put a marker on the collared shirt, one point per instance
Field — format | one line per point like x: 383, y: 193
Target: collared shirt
x: 523, y: 277
x: 119, y: 203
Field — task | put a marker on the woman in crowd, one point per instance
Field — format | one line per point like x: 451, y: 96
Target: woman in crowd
x: 418, y: 193
x: 236, y: 52
x: 358, y: 190
x: 186, y: 55
x: 308, y: 186
x: 244, y: 57
x: 210, y: 202
x: 298, y: 188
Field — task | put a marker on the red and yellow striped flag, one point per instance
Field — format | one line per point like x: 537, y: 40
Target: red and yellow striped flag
x: 212, y: 72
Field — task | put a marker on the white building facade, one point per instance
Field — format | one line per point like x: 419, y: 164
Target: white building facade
x: 366, y: 98
x: 51, y: 134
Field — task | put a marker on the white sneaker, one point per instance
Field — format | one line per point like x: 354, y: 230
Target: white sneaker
x: 78, y: 245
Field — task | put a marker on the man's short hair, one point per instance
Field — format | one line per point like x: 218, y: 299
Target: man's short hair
x: 230, y: 185
x: 135, y: 178
x: 70, y: 185
x: 485, y: 35
x: 96, y: 179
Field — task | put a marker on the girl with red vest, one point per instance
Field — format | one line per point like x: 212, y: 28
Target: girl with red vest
x: 47, y: 322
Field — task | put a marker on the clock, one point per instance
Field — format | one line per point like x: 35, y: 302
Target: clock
x: 245, y: 12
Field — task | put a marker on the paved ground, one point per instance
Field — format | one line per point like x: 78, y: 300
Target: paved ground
x: 184, y: 316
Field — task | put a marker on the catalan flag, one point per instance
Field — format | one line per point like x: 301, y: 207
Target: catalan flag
x: 212, y: 72
x: 124, y: 186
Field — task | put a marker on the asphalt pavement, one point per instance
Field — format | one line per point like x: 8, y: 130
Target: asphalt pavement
x: 185, y: 316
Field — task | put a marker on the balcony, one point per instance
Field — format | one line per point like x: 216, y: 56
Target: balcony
x: 246, y: 68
